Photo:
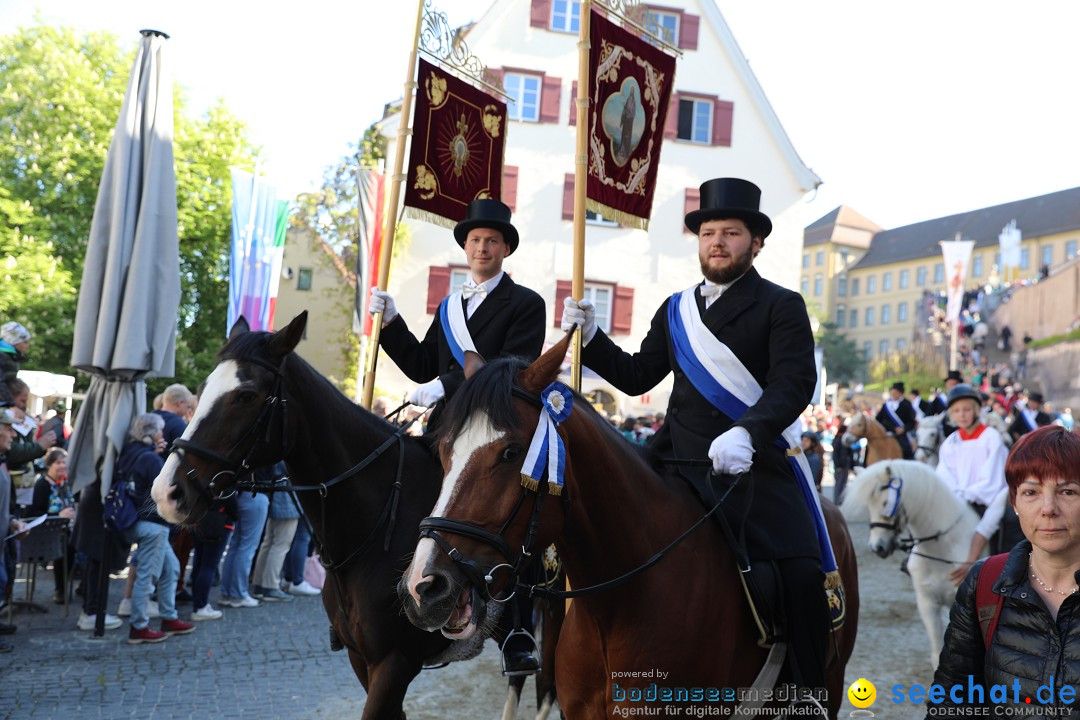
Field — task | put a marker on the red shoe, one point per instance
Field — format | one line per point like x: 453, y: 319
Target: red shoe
x: 146, y: 635
x: 176, y: 627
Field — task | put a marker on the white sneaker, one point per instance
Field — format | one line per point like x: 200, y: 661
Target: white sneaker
x: 303, y: 588
x: 247, y: 602
x: 125, y: 609
x: 87, y: 622
x: 206, y: 612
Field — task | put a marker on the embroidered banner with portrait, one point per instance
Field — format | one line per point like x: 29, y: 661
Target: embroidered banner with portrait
x: 459, y: 133
x: 630, y: 84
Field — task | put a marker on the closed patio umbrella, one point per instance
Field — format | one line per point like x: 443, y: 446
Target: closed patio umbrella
x: 125, y: 323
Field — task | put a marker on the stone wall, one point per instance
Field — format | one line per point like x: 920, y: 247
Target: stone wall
x: 1056, y: 370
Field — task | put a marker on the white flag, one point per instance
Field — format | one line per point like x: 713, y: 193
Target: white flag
x: 957, y: 257
x: 1009, y: 243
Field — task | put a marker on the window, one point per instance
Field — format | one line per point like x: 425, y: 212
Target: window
x: 976, y: 266
x: 853, y: 318
x: 1048, y: 255
x: 901, y: 344
x: 805, y: 260
x: 939, y: 273
x: 663, y: 24
x: 614, y: 304
x: 598, y: 219
x: 804, y: 285
x: 841, y: 286
x: 303, y: 278
x: 920, y: 277
x: 820, y: 257
x: 600, y: 297
x: 458, y: 276
x: 886, y: 282
x: 1070, y: 250
x: 905, y: 276
x: 566, y: 15
x: 886, y: 314
x: 1025, y: 258
x: 854, y: 287
x: 695, y: 120
x: 817, y: 283
x: 841, y: 315
x: 901, y: 312
x: 869, y: 317
x: 883, y: 347
x: 866, y: 350
x: 871, y: 285
x: 524, y: 90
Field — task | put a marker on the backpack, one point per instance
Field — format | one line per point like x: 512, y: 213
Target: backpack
x: 119, y: 509
x: 987, y: 603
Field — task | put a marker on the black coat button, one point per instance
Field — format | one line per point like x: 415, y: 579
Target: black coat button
x: 673, y: 411
x: 715, y: 413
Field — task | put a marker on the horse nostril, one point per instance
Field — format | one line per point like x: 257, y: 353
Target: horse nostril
x: 432, y: 587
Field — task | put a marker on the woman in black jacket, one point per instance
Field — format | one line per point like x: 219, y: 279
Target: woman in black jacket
x: 52, y: 496
x: 1036, y: 643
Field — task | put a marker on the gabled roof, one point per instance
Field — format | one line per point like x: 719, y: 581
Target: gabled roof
x: 842, y: 226
x: 1039, y: 216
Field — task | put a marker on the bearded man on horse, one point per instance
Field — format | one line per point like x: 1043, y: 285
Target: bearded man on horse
x: 742, y: 352
x: 490, y: 315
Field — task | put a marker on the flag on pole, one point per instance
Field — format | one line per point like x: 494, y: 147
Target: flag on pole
x: 957, y: 255
x: 1009, y: 245
x: 630, y: 86
x: 372, y: 208
x: 259, y: 223
x: 459, y: 133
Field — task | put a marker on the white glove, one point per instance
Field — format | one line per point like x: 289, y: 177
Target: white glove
x: 382, y: 302
x: 428, y: 394
x: 582, y: 314
x: 733, y: 452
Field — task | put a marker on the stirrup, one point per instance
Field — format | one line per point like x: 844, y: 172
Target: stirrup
x: 536, y: 653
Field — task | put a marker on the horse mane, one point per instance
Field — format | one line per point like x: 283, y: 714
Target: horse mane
x: 924, y: 493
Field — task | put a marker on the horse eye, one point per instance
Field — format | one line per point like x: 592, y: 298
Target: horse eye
x: 246, y: 396
x: 510, y: 453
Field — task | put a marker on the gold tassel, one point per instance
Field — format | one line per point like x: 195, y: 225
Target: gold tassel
x: 528, y: 483
x: 430, y: 217
x: 793, y: 452
x: 554, y: 488
x: 623, y: 218
x: 832, y: 580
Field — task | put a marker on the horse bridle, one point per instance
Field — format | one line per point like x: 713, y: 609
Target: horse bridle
x: 900, y: 520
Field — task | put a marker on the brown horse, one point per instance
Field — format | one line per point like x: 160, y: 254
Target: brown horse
x: 683, y: 624
x: 880, y: 443
x: 370, y: 485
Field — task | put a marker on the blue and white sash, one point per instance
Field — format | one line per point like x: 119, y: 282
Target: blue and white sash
x: 455, y: 330
x: 1030, y: 418
x: 722, y: 379
x: 897, y: 422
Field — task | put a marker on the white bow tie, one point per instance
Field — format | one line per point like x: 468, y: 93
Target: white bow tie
x: 708, y: 291
x: 468, y: 290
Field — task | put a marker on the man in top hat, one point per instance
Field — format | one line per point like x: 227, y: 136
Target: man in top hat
x: 898, y: 417
x: 742, y: 353
x: 940, y: 402
x: 1029, y: 416
x: 491, y: 315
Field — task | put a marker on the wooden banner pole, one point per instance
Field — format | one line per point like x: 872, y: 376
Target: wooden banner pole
x: 581, y: 159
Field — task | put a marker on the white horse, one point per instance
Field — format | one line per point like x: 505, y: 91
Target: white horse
x: 906, y: 496
x: 928, y: 437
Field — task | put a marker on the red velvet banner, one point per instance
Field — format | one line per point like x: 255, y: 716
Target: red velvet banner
x: 630, y: 86
x: 457, y: 147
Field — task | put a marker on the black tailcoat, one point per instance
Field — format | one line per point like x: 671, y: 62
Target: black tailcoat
x: 906, y: 413
x: 1019, y: 427
x: 767, y: 328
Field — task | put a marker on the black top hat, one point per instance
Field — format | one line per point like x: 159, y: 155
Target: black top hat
x: 724, y: 198
x: 954, y: 375
x: 490, y: 214
x: 897, y: 386
x: 1035, y: 397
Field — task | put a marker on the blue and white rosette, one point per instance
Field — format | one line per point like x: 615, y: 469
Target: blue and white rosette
x: 546, y: 451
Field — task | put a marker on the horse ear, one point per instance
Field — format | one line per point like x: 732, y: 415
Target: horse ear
x: 546, y: 368
x: 284, y: 341
x: 239, y: 328
x: 473, y: 362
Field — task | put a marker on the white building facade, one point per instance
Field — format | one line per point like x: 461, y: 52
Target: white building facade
x: 720, y: 125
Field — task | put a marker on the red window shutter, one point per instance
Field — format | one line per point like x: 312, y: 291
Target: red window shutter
x: 688, y: 31
x: 494, y: 76
x: 509, y: 186
x: 541, y: 14
x: 723, y: 114
x: 562, y: 291
x: 549, y: 99
x: 573, y: 103
x: 438, y: 287
x: 671, y: 124
x: 568, y: 197
x: 622, y: 310
x: 691, y: 203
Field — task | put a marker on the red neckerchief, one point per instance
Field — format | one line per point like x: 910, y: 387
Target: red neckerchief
x: 973, y: 435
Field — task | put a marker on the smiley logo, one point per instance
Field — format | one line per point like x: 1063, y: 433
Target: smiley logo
x: 862, y: 693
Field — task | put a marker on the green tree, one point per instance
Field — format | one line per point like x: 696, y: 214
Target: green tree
x: 841, y: 358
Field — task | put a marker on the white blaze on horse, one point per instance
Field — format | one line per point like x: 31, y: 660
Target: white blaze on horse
x: 911, y: 508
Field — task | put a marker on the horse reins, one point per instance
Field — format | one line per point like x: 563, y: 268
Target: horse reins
x: 909, y: 543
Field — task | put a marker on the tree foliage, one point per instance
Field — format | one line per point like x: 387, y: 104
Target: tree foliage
x: 59, y: 101
x: 842, y: 360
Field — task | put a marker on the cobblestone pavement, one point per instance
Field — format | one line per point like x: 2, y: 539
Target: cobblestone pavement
x: 259, y: 663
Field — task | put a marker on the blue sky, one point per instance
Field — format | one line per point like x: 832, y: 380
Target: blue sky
x: 906, y: 111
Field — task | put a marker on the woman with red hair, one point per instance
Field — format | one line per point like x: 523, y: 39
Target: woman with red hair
x: 1037, y: 637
